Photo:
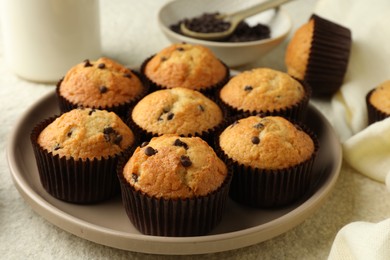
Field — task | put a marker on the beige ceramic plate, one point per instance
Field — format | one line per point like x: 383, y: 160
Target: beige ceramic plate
x: 107, y: 223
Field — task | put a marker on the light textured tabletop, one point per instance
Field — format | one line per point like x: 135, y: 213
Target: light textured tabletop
x: 130, y: 34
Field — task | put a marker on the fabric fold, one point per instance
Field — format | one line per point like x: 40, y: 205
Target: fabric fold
x: 369, y: 150
x: 362, y: 240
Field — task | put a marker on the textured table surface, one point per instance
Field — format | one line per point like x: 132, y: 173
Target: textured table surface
x: 130, y: 33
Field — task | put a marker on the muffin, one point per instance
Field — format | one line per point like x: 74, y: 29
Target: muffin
x: 265, y: 91
x: 188, y: 66
x: 378, y: 102
x: 174, y: 186
x: 272, y: 159
x: 179, y: 111
x: 77, y: 154
x: 102, y: 84
x: 318, y: 53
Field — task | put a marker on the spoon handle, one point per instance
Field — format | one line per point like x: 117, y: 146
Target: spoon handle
x: 240, y: 15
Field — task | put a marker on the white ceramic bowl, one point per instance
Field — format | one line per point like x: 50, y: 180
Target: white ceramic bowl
x: 233, y: 54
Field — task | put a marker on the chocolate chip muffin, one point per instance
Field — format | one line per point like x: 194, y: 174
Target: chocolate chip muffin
x: 176, y: 111
x: 272, y: 160
x: 102, y: 84
x: 77, y: 153
x: 265, y: 91
x: 318, y: 54
x: 180, y: 181
x: 378, y: 102
x: 185, y: 65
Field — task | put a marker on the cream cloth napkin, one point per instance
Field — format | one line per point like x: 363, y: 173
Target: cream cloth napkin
x: 362, y: 241
x: 367, y: 149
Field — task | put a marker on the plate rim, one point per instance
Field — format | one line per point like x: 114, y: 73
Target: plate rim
x: 166, y: 245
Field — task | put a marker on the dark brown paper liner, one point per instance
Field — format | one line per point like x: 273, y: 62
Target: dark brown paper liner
x: 374, y: 114
x: 173, y: 217
x: 329, y: 57
x: 120, y: 109
x: 207, y: 91
x: 75, y: 181
x: 264, y: 188
x: 207, y: 135
x: 295, y: 112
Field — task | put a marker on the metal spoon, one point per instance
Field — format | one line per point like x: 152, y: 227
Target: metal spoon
x: 234, y: 19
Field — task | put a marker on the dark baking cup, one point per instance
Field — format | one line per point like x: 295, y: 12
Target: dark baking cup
x: 173, y: 217
x: 207, y: 91
x: 207, y: 135
x: 120, y: 109
x: 296, y: 112
x: 264, y: 188
x: 75, y: 181
x: 329, y: 56
x: 374, y: 114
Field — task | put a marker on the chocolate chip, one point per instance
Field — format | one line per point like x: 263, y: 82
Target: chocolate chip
x: 127, y: 75
x: 163, y: 59
x: 118, y: 139
x: 101, y: 66
x: 87, y: 63
x: 108, y: 130
x: 134, y: 177
x: 248, y: 88
x: 201, y: 108
x: 180, y: 49
x: 185, y: 161
x: 255, y: 140
x: 111, y: 135
x: 258, y: 126
x: 207, y: 23
x: 57, y: 147
x: 178, y: 142
x: 144, y: 144
x: 103, y: 89
x: 170, y: 116
x: 69, y: 134
x: 149, y: 151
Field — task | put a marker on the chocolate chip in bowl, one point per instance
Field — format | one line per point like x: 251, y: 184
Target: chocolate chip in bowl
x: 206, y: 23
x: 234, y: 54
